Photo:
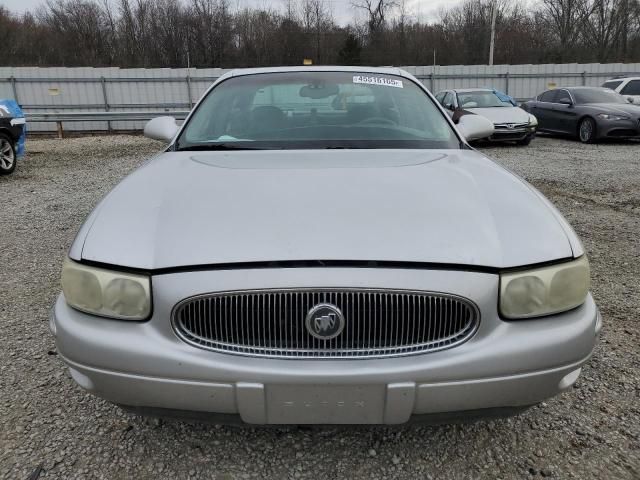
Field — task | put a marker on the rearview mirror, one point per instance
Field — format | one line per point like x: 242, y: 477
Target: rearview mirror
x: 161, y: 128
x: 318, y: 91
x: 475, y: 127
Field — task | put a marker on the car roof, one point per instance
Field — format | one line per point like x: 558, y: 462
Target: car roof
x: 623, y: 77
x: 581, y: 88
x: 574, y: 88
x: 468, y: 90
x: 319, y: 68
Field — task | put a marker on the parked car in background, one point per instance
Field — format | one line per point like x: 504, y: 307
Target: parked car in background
x: 321, y: 245
x: 511, y: 123
x: 12, y: 134
x: 628, y: 87
x: 588, y: 113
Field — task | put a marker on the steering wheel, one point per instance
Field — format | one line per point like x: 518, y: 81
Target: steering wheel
x: 376, y: 120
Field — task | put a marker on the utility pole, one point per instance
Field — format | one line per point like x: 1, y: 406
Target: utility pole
x: 625, y: 28
x: 494, y: 14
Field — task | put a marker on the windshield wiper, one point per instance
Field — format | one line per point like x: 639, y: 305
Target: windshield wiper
x: 218, y: 146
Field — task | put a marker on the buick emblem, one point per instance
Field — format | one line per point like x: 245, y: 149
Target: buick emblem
x: 325, y: 321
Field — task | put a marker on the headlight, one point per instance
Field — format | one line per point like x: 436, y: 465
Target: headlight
x: 533, y: 121
x: 607, y: 116
x: 544, y: 291
x: 106, y: 293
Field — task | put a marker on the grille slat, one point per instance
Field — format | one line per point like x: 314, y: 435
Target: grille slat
x: 378, y: 323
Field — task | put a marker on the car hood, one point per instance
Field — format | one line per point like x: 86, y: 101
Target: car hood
x: 616, y: 108
x: 199, y: 208
x: 502, y: 114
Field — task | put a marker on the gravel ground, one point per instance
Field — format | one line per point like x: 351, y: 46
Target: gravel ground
x: 45, y: 420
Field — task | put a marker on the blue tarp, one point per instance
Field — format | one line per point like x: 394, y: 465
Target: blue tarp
x: 12, y: 110
x: 505, y: 98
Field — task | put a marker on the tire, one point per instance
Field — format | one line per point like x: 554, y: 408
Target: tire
x: 7, y: 155
x: 525, y: 141
x: 587, y: 130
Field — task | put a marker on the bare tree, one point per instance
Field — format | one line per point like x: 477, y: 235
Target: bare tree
x: 316, y: 20
x: 605, y: 25
x: 377, y: 12
x: 565, y: 19
x: 212, y: 33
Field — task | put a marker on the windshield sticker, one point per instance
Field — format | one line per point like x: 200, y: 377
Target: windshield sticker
x: 387, y: 82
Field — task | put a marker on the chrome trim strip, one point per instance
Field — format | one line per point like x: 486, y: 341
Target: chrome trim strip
x: 329, y: 349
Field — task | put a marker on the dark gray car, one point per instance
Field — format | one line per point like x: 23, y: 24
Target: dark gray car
x: 589, y: 113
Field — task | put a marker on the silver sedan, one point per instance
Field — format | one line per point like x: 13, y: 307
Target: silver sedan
x: 321, y: 245
x: 511, y: 123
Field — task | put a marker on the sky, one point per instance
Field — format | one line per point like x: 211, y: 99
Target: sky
x: 424, y: 10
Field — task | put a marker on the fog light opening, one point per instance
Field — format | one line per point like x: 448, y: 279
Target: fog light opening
x: 568, y: 380
x: 82, y: 380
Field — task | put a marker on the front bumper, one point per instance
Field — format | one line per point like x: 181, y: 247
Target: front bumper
x: 506, y: 364
x: 514, y: 135
x: 619, y: 128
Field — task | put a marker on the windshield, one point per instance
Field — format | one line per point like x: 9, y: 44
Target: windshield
x: 596, y: 95
x: 317, y: 110
x: 480, y: 99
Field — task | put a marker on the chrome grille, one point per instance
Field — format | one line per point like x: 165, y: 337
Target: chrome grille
x: 378, y: 323
x: 510, y: 126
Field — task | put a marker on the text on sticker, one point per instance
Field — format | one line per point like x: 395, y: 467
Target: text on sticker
x: 388, y: 82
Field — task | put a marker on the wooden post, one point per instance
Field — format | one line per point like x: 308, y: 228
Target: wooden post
x: 60, y: 130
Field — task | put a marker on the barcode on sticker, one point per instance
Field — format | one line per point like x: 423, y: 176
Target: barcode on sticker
x: 388, y: 82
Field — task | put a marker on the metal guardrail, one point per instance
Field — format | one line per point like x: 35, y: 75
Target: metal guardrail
x: 100, y: 107
x: 60, y: 117
x: 102, y: 116
x: 85, y: 90
x: 104, y: 81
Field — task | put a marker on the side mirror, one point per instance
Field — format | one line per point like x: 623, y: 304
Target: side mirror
x: 565, y: 101
x: 448, y: 106
x: 630, y: 99
x: 161, y: 128
x: 475, y: 127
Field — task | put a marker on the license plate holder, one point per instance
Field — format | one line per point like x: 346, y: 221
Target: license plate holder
x: 326, y: 404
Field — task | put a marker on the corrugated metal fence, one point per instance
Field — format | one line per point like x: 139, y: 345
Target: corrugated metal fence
x: 138, y: 89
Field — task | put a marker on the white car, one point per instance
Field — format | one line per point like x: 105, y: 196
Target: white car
x: 627, y: 86
x: 511, y: 123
